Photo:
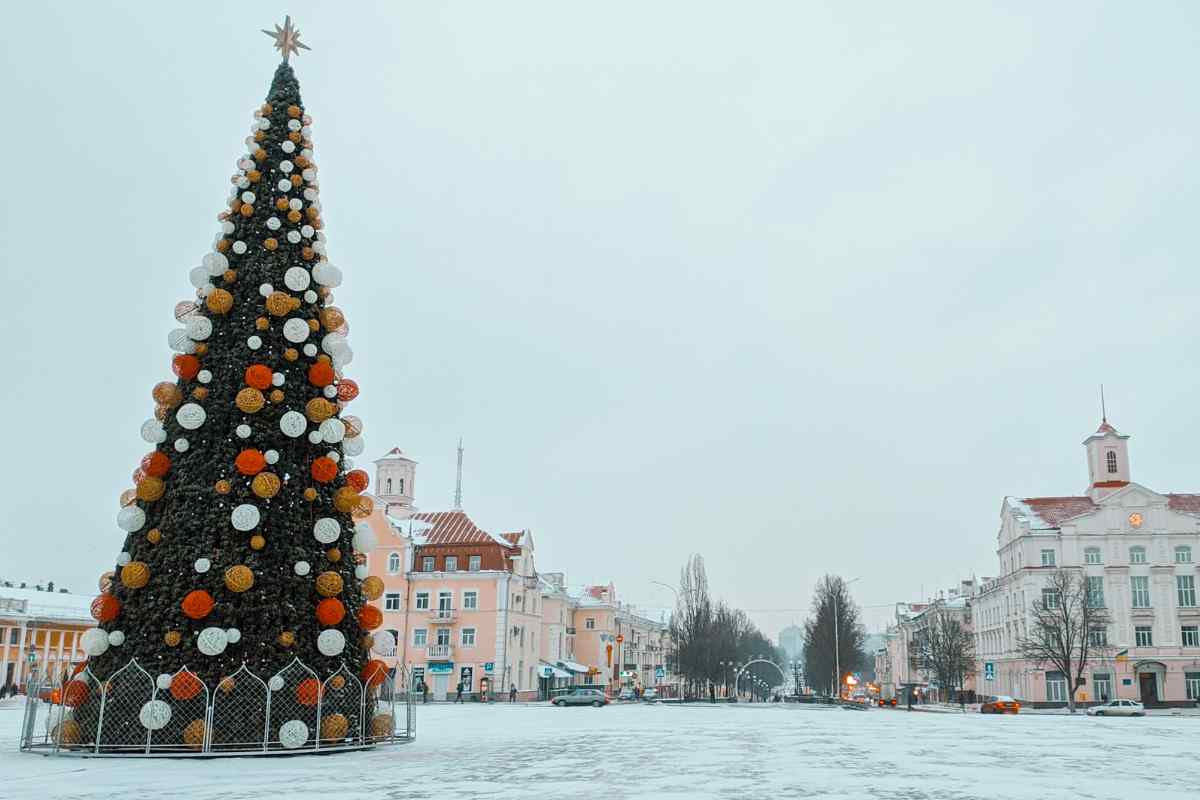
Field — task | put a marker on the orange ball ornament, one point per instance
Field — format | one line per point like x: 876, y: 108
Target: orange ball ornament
x: 105, y: 608
x: 278, y: 304
x: 150, y: 489
x: 373, y: 672
x: 358, y: 480
x: 323, y: 469
x: 75, y: 693
x: 167, y: 394
x: 286, y: 639
x: 310, y: 494
x: 156, y: 464
x: 172, y: 638
x: 239, y: 578
x: 329, y: 584
x: 308, y: 692
x: 369, y: 618
x: 271, y: 243
x: 250, y: 400
x: 219, y: 301
x: 320, y: 374
x: 330, y: 611
x: 222, y: 486
x: 197, y: 604
x: 293, y: 111
x: 259, y: 376
x: 333, y: 554
x: 135, y: 575
x: 185, y: 686
x: 334, y: 726
x: 193, y: 734
x: 257, y: 542
x: 332, y: 318
x: 345, y: 499
x: 185, y: 366
x: 250, y: 461
x: 154, y: 536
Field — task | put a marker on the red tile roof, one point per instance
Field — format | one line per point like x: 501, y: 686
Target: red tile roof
x: 512, y: 538
x: 1055, y: 510
x: 453, y: 527
x: 1187, y: 503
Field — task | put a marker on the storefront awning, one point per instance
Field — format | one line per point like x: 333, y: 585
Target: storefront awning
x: 439, y: 667
x: 571, y: 666
x: 547, y: 671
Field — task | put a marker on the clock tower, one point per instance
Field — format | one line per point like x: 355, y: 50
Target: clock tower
x: 1108, y: 461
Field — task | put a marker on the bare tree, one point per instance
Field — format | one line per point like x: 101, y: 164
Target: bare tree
x: 944, y: 649
x: 1069, y: 628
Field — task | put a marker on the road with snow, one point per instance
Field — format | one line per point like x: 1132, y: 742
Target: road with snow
x: 772, y: 751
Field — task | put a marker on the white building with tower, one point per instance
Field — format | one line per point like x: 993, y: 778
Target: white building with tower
x: 1137, y: 548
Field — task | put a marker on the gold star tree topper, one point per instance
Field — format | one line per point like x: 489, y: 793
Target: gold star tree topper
x: 287, y: 39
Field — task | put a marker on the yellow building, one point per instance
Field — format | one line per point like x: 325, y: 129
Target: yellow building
x: 43, y: 623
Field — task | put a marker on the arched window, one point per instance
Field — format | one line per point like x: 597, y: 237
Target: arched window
x: 1092, y: 555
x: 1137, y: 555
x: 1183, y: 554
x: 394, y: 563
x: 1112, y: 462
x: 389, y: 485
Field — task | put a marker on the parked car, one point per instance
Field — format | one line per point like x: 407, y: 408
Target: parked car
x: 1118, y: 708
x: 650, y: 695
x: 581, y: 697
x: 626, y: 694
x: 1001, y: 704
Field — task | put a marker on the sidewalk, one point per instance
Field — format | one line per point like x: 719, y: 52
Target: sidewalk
x: 973, y: 708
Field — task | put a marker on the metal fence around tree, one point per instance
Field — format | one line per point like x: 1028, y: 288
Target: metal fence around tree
x: 135, y: 714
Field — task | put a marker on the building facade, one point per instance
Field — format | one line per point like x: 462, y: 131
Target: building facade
x: 43, y: 624
x: 1137, y: 549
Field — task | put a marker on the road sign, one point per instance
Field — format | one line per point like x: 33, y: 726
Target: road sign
x: 620, y: 638
x: 660, y: 673
x: 989, y: 671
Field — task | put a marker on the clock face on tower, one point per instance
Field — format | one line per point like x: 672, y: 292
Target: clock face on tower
x: 1135, y: 520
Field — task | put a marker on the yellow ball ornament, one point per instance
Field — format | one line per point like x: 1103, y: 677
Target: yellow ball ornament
x: 239, y: 578
x: 329, y: 584
x: 135, y: 575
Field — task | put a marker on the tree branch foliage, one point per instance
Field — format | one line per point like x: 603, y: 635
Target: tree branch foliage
x: 831, y: 597
x: 944, y: 649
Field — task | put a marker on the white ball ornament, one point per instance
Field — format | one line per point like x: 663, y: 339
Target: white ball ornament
x: 245, y: 163
x: 264, y: 123
x: 155, y: 714
x: 295, y: 330
x: 383, y: 642
x: 226, y: 226
x: 331, y: 642
x: 131, y: 518
x: 364, y: 539
x: 284, y: 185
x: 310, y: 296
x: 199, y: 328
x: 163, y: 681
x: 181, y: 445
x: 353, y: 447
x: 293, y: 423
x: 288, y: 146
x: 94, y: 642
x: 266, y: 289
x: 202, y: 565
x: 198, y: 277
x: 293, y: 237
x: 310, y: 195
x: 319, y: 244
x: 179, y: 341
x: 215, y: 263
x: 254, y: 342
x: 273, y: 223
x: 116, y: 638
x: 310, y: 349
x: 327, y: 274
x: 277, y: 379
x: 212, y: 641
x: 361, y: 572
x: 342, y: 356
x: 248, y: 197
x: 293, y: 734
x: 306, y: 131
x: 123, y: 558
x: 309, y: 174
x: 295, y: 204
x: 334, y: 456
x: 330, y: 391
x: 245, y: 517
x: 239, y: 247
x: 333, y: 430
x: 296, y: 279
x: 243, y: 431
x: 347, y: 464
x: 242, y: 183
x: 326, y: 530
x: 190, y: 416
x: 306, y: 231
x: 275, y: 684
x: 204, y: 376
x: 293, y: 124
x: 301, y: 568
x: 286, y: 166
x: 271, y: 456
x: 233, y: 635
x: 314, y: 437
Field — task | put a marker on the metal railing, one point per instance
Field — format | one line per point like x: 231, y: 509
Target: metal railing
x: 439, y: 651
x: 133, y: 714
x: 442, y: 614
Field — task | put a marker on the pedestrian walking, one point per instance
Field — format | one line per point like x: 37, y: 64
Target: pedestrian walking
x: 423, y: 688
x: 458, y: 694
x: 512, y: 693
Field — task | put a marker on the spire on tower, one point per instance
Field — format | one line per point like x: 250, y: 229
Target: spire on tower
x: 1103, y: 410
x: 458, y: 481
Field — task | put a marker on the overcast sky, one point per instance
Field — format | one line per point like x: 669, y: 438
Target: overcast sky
x: 803, y: 288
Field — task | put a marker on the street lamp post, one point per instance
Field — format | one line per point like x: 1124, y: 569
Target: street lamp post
x: 678, y: 666
x: 837, y: 648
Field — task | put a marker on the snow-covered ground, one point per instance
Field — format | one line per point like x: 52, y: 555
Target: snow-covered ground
x: 760, y: 751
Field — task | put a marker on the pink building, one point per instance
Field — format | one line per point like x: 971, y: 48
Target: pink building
x: 1136, y: 548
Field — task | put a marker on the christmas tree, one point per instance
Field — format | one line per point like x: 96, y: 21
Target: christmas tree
x: 240, y: 531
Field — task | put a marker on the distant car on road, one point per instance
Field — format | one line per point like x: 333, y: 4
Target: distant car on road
x: 650, y: 695
x: 581, y: 697
x: 1118, y: 708
x: 885, y: 702
x: 626, y: 694
x: 1003, y: 704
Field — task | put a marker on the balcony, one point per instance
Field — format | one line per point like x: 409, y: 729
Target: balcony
x: 439, y: 652
x: 442, y: 614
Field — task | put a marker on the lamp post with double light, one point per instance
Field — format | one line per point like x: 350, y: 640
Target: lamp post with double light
x: 837, y: 648
x: 674, y: 639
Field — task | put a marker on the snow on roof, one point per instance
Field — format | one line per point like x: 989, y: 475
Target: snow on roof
x: 1186, y: 503
x: 395, y: 452
x: 455, y: 527
x: 1044, y: 513
x: 32, y: 604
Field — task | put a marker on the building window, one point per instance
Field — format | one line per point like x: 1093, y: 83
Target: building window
x: 451, y: 563
x: 1140, y: 588
x: 402, y: 486
x: 1095, y: 591
x: 1185, y: 586
x: 1047, y: 558
x: 395, y: 634
x: 473, y: 563
x: 1112, y: 462
x: 1098, y: 637
x: 468, y: 637
x: 427, y: 563
x: 389, y: 485
x: 422, y: 601
x: 470, y: 601
x: 1183, y: 554
x: 393, y: 563
x: 391, y: 601
x: 1189, y: 636
x: 1050, y: 598
x: 1192, y: 681
x: 1056, y: 687
x: 590, y: 623
x: 1102, y: 686
x: 420, y: 637
x: 418, y: 675
x: 1092, y: 555
x: 1143, y: 636
x: 1137, y: 555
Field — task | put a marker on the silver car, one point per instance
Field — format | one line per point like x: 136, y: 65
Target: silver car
x: 1118, y: 708
x: 581, y: 697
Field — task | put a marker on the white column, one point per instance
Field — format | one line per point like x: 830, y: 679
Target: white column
x: 4, y: 654
x: 62, y: 635
x: 46, y: 652
x: 21, y: 653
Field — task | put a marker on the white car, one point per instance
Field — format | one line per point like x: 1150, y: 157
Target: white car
x: 1118, y: 708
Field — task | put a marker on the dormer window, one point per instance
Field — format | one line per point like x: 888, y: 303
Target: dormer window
x: 1111, y: 457
x: 389, y: 485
